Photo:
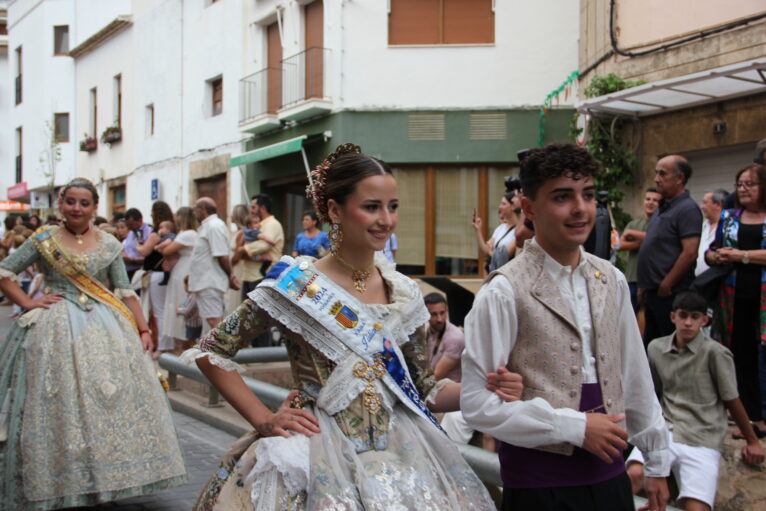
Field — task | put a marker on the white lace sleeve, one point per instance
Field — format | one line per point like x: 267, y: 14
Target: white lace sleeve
x: 7, y: 274
x: 124, y: 293
x: 189, y: 356
x: 431, y: 397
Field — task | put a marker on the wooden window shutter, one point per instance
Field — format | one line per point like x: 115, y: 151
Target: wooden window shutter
x: 468, y: 22
x: 414, y: 22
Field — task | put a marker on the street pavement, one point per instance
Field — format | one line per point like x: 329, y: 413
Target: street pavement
x: 202, y: 445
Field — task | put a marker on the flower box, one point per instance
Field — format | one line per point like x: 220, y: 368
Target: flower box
x: 111, y: 135
x: 88, y: 144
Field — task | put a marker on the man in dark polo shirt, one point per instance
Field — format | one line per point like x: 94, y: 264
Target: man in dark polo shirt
x: 668, y: 254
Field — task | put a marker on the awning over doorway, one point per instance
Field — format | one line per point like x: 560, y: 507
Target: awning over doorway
x: 743, y: 79
x: 292, y: 145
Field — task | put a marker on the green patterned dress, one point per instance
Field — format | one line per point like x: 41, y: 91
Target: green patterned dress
x: 83, y: 419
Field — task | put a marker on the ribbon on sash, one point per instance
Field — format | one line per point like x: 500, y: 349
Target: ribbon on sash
x: 58, y: 258
x: 346, y: 324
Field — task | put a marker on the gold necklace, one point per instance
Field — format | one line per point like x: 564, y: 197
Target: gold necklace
x: 358, y: 277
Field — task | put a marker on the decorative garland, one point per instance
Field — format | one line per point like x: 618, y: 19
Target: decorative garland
x: 565, y: 87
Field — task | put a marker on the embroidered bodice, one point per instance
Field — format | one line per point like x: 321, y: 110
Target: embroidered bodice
x: 311, y: 369
x: 102, y: 262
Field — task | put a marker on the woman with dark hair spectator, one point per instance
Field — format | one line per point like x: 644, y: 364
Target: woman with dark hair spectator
x: 500, y: 247
x: 161, y: 212
x: 312, y: 241
x: 186, y: 223
x: 33, y: 222
x: 739, y: 321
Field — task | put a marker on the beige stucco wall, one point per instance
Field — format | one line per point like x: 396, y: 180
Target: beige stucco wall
x: 641, y: 23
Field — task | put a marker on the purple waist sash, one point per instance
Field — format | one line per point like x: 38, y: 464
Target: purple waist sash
x: 531, y: 468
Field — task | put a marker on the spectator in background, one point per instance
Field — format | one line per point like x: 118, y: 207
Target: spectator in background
x: 52, y: 220
x: 312, y: 241
x: 137, y: 233
x: 668, y: 254
x: 389, y: 251
x: 760, y: 152
x: 631, y: 240
x: 34, y: 222
x: 121, y: 228
x: 212, y: 274
x: 261, y: 206
x: 711, y: 207
x: 739, y: 320
x: 503, y: 236
x: 237, y: 222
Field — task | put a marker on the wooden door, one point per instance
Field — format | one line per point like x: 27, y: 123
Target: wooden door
x: 274, y: 71
x: 215, y: 188
x: 314, y: 16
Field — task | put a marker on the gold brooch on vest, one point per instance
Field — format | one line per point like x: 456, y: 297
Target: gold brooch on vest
x: 600, y: 276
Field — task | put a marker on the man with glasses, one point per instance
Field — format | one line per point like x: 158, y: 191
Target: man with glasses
x: 667, y: 257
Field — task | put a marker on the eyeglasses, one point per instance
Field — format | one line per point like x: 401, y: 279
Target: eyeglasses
x: 746, y: 184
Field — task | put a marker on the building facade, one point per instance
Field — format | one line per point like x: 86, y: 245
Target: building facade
x: 705, y: 90
x: 446, y: 92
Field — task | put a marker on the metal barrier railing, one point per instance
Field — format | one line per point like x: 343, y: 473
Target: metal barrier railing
x: 486, y: 464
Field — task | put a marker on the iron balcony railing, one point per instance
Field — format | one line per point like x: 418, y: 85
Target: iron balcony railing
x: 260, y: 93
x: 304, y: 75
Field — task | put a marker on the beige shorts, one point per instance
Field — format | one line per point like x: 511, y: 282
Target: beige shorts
x: 210, y: 303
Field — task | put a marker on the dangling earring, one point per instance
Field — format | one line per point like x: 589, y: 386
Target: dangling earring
x: 336, y: 238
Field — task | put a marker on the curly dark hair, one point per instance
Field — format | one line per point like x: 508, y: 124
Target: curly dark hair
x: 553, y: 161
x: 161, y: 212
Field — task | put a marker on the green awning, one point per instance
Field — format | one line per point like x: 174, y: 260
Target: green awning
x: 270, y: 151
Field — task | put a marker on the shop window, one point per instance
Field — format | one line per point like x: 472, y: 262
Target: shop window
x: 61, y: 40
x: 61, y: 127
x: 441, y: 22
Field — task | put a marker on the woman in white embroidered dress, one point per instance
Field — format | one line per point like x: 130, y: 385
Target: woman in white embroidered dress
x: 352, y: 438
x: 83, y: 418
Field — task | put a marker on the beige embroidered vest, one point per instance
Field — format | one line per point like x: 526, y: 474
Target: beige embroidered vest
x: 548, y: 349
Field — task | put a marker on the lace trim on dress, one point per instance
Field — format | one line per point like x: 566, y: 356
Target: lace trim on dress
x: 288, y: 457
x: 189, y: 356
x: 30, y: 317
x: 7, y: 274
x: 431, y: 397
x: 343, y: 386
x: 124, y: 293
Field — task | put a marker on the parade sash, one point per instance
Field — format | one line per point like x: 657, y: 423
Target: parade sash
x: 338, y: 325
x: 88, y: 285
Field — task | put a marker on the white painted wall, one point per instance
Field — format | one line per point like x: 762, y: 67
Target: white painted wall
x: 6, y: 133
x: 93, y: 15
x: 48, y: 86
x: 535, y: 50
x: 98, y: 69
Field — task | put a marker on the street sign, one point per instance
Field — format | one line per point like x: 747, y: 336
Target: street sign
x: 17, y: 190
x: 155, y: 189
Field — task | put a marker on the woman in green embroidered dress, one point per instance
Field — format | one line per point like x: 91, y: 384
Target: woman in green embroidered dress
x: 83, y: 418
x: 358, y: 434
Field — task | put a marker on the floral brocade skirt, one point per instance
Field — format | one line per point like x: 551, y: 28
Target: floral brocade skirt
x: 419, y: 470
x: 84, y: 419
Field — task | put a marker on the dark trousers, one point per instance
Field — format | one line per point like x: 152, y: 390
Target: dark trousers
x: 744, y: 346
x: 633, y: 287
x: 657, y: 316
x: 611, y: 495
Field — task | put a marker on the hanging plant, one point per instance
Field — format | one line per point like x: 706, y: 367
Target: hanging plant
x: 604, y: 137
x: 88, y: 144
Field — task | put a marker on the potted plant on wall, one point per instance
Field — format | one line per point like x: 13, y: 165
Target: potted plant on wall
x: 111, y: 135
x: 88, y: 144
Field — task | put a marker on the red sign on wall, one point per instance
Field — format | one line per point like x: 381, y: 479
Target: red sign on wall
x: 17, y: 190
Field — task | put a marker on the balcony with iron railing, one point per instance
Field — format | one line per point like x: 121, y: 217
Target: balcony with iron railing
x: 294, y: 91
x: 304, y: 85
x: 260, y: 96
